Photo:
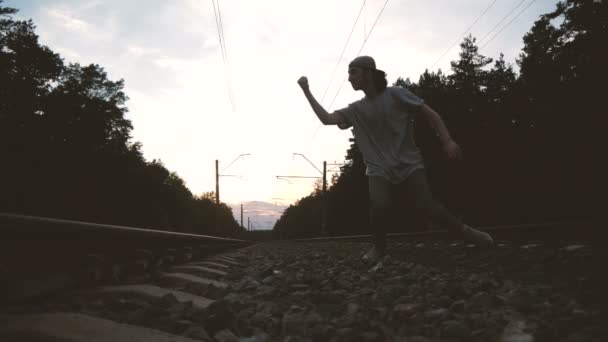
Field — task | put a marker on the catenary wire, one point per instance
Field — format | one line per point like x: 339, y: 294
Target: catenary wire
x: 361, y: 49
x: 220, y: 32
x: 508, y: 24
x: 343, y: 50
x: 463, y: 34
x: 501, y: 21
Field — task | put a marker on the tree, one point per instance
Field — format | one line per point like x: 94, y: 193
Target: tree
x: 67, y: 150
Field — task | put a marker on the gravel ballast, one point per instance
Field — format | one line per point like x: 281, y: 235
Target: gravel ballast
x: 422, y: 291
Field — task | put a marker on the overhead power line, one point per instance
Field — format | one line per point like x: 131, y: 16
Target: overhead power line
x: 343, y: 49
x: 360, y: 49
x: 463, y: 34
x: 366, y: 37
x: 500, y: 22
x: 508, y: 24
x: 220, y: 31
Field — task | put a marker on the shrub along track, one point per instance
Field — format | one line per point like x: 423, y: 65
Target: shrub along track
x: 428, y: 289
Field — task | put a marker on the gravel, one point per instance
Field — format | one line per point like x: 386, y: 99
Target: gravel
x: 423, y: 291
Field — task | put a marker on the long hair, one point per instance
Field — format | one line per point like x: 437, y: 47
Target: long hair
x: 379, y: 79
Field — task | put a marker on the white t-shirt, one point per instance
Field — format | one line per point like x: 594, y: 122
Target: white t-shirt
x: 384, y: 132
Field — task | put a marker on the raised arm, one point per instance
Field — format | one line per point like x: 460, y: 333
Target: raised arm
x: 322, y: 114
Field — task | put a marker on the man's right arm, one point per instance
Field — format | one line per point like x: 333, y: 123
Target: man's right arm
x: 327, y: 119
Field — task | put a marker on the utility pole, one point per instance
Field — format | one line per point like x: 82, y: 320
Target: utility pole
x: 217, y: 197
x: 217, y: 175
x: 242, y: 216
x: 323, y: 194
x: 248, y: 224
x: 324, y: 201
x: 324, y: 189
x: 217, y: 188
x: 217, y: 182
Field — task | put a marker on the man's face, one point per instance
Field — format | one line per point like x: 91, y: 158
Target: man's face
x: 357, y: 77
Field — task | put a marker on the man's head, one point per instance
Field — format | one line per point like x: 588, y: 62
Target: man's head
x: 363, y: 74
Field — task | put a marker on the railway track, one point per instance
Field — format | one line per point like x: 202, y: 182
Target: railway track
x: 540, y: 283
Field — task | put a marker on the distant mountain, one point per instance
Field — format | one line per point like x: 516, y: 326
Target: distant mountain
x: 262, y: 215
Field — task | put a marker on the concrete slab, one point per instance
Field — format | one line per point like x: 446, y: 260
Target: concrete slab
x: 210, y: 264
x: 225, y: 260
x: 183, y: 277
x: 152, y: 292
x: 228, y: 256
x: 198, y: 271
x: 72, y: 327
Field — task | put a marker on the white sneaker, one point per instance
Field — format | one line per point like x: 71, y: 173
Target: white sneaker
x: 376, y: 268
x: 372, y: 255
x: 477, y: 237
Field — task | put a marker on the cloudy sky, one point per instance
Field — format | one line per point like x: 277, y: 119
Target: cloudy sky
x: 169, y: 55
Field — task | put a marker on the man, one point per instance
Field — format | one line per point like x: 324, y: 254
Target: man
x: 382, y: 124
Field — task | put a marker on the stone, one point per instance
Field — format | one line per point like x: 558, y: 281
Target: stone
x: 407, y: 309
x: 322, y: 332
x: 481, y: 300
x: 521, y: 299
x: 573, y: 248
x: 345, y: 335
x: 167, y: 300
x: 179, y: 307
x: 455, y: 329
x: 182, y: 324
x: 457, y: 306
x: 197, y: 332
x: 220, y: 316
x: 515, y: 332
x: 225, y: 336
x: 371, y: 336
x: 248, y: 283
x: 297, y: 287
x: 418, y: 339
x: 266, y: 272
x: 291, y: 338
x: 258, y: 337
x: 297, y: 320
x: 237, y: 301
x: 352, y: 308
x: 436, y: 313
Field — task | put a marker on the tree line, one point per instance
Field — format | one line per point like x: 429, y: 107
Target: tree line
x: 533, y: 140
x: 67, y: 150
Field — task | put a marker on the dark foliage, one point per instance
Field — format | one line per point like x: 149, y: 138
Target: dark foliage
x: 533, y: 142
x: 67, y: 152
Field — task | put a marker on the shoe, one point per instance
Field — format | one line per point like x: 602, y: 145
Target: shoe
x: 477, y: 237
x: 376, y: 268
x: 373, y: 255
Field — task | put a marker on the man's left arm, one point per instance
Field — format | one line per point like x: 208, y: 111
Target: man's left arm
x: 450, y: 147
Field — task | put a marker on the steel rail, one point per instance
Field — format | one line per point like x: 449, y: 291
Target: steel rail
x: 543, y: 231
x: 8, y: 225
x: 40, y: 255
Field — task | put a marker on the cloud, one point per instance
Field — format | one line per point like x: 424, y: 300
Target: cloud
x: 262, y: 214
x: 68, y: 20
x: 136, y: 51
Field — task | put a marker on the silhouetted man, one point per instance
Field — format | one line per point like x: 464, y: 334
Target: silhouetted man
x: 382, y: 124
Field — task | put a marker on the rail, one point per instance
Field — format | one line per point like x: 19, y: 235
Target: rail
x: 590, y: 231
x: 39, y: 255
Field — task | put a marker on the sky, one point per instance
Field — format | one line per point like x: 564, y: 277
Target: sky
x: 169, y: 55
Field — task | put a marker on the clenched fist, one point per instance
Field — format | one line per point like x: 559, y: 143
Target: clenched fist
x: 303, y: 82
